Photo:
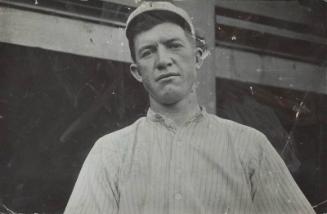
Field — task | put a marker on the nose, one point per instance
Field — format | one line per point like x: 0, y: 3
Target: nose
x: 164, y: 59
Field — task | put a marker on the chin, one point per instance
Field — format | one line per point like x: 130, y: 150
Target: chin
x: 171, y: 98
x: 169, y: 102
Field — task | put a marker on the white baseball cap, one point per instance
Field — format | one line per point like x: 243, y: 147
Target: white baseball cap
x: 151, y: 6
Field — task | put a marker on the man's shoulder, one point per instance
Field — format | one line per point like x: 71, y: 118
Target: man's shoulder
x: 122, y: 136
x: 248, y: 141
x: 232, y: 127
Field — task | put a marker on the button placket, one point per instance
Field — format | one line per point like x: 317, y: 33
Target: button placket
x: 177, y: 152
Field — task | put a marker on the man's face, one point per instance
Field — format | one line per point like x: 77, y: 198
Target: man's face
x: 166, y: 62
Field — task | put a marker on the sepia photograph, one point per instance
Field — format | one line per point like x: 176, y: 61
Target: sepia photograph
x: 163, y: 106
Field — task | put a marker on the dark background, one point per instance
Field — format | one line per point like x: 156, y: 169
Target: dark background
x: 295, y: 122
x: 53, y: 107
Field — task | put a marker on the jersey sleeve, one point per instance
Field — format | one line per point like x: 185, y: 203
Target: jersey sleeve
x: 95, y: 190
x: 273, y: 188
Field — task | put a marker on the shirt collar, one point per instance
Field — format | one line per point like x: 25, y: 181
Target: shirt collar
x: 156, y: 117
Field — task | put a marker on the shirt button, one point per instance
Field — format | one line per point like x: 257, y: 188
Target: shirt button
x: 178, y: 196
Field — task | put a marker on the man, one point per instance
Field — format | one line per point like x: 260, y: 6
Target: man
x: 180, y: 159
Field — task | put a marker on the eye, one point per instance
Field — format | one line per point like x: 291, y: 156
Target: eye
x: 175, y: 45
x: 146, y: 52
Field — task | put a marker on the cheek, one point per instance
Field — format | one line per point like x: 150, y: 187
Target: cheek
x: 146, y: 63
x: 147, y: 79
x: 188, y: 62
x: 191, y: 78
x: 146, y: 68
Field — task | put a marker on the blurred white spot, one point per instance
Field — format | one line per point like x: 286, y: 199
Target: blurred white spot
x: 113, y: 93
x: 234, y: 38
x: 122, y: 44
x: 259, y: 70
x: 300, y: 108
x: 251, y: 89
x: 1, y: 117
x: 297, y: 114
x: 291, y: 85
x: 36, y: 2
x: 205, y: 54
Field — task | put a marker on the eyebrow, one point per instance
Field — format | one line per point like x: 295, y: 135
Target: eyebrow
x: 173, y: 40
x: 165, y: 42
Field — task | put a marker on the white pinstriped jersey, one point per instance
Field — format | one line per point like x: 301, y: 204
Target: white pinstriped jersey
x: 210, y: 165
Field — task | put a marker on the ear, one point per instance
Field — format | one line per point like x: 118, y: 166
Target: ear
x: 135, y: 72
x: 198, y: 57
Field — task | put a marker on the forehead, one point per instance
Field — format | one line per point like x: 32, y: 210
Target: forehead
x: 161, y: 32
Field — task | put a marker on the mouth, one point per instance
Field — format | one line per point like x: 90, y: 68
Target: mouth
x: 166, y: 76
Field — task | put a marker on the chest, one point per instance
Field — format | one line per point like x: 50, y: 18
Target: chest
x: 194, y: 169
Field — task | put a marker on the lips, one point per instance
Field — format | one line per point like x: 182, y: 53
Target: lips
x: 167, y: 75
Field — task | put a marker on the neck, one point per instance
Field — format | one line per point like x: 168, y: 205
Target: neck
x: 179, y: 112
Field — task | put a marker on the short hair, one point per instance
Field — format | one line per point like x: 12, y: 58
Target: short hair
x: 148, y: 20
